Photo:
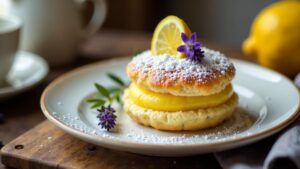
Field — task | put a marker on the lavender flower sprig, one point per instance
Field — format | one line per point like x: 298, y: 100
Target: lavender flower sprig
x: 106, y: 96
x: 107, y: 117
x: 191, y: 47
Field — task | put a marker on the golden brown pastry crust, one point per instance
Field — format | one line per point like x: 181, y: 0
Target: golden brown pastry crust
x: 180, y: 120
x: 181, y: 77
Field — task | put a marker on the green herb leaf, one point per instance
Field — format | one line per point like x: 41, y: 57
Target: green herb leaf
x: 108, y: 95
x: 118, y: 99
x: 115, y: 95
x: 116, y: 79
x: 95, y: 100
x: 114, y: 89
x: 98, y: 104
x: 102, y: 90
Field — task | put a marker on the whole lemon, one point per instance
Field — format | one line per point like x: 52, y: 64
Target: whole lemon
x: 275, y: 37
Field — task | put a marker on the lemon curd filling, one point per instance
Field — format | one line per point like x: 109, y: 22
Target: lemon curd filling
x: 167, y: 102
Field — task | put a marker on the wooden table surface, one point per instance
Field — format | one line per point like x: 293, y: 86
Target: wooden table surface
x: 23, y: 112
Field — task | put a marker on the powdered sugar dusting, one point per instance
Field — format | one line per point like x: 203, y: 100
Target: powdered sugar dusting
x: 127, y: 130
x: 212, y: 66
x: 232, y: 128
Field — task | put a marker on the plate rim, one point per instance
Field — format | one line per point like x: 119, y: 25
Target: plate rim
x: 123, y: 143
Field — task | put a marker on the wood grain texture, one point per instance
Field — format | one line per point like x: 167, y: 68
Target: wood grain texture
x: 47, y: 147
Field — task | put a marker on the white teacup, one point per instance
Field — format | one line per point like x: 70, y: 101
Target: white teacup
x: 9, y: 40
x: 55, y: 28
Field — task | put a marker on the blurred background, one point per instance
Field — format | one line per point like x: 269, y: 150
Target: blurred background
x: 128, y: 27
x: 225, y: 21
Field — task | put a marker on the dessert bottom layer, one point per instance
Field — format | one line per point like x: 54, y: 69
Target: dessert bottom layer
x: 180, y: 120
x: 167, y: 102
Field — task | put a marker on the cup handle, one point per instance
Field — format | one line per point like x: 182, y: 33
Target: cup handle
x: 97, y: 19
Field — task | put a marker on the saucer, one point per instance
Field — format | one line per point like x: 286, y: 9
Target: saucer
x: 27, y: 71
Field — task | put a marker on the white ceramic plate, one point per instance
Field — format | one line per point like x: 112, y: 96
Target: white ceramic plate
x: 27, y: 71
x: 266, y: 97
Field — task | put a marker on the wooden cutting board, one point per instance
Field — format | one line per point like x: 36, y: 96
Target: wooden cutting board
x: 46, y: 147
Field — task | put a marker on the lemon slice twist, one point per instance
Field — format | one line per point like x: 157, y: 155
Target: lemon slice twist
x: 166, y: 37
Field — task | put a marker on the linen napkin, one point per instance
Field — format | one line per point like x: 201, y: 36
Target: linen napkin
x: 279, y: 151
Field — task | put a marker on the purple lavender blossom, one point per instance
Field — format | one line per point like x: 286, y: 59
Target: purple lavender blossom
x: 192, y: 48
x: 107, y: 117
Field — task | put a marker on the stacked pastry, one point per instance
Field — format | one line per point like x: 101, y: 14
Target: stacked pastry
x: 169, y: 93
